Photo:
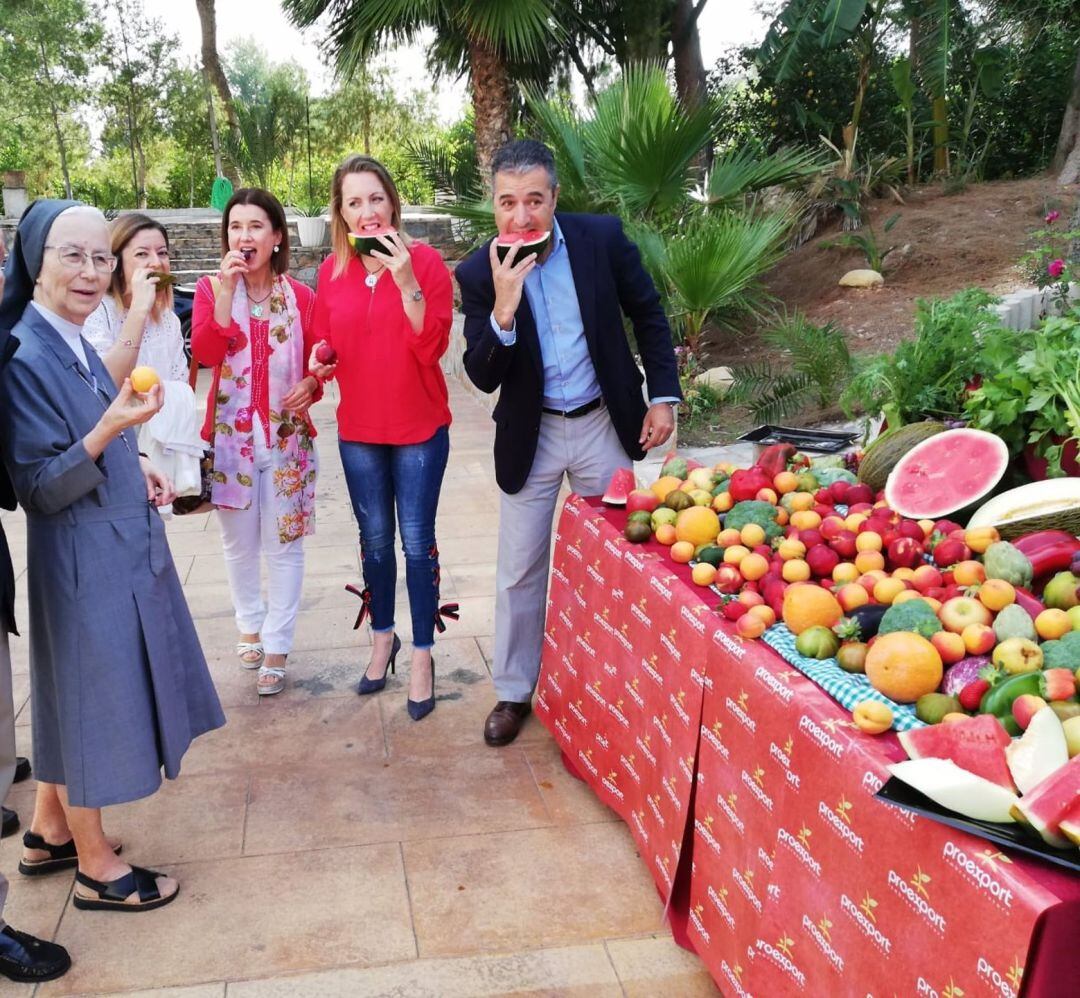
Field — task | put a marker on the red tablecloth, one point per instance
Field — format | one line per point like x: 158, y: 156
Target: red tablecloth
x: 750, y: 796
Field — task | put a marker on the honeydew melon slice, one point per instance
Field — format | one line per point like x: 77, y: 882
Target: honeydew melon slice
x: 1039, y: 753
x: 1050, y: 505
x: 945, y: 783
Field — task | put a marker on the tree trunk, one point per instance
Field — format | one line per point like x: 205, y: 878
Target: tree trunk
x: 1067, y: 158
x: 56, y: 122
x: 213, y: 126
x: 216, y: 75
x: 141, y: 175
x: 686, y: 49
x: 492, y: 103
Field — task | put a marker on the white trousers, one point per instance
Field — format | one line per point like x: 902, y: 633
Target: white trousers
x: 587, y: 451
x: 249, y: 536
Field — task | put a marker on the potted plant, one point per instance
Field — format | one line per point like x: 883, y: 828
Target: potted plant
x: 311, y: 223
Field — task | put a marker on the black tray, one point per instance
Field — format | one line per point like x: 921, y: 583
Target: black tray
x: 823, y: 441
x: 1012, y: 836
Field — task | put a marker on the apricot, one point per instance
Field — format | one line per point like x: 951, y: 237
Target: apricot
x: 143, y: 379
x: 872, y: 717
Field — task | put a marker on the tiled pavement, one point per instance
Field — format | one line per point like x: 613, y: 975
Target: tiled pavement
x: 327, y: 845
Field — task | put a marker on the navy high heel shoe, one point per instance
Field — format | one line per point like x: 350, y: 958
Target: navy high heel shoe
x: 419, y: 709
x: 374, y: 685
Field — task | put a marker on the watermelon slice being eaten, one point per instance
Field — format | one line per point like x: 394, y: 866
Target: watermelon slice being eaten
x: 364, y: 242
x: 619, y: 488
x: 533, y: 241
x: 1051, y: 802
x: 947, y: 474
x: 976, y: 745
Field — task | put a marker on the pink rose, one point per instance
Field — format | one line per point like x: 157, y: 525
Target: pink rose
x: 1056, y: 268
x: 1052, y: 217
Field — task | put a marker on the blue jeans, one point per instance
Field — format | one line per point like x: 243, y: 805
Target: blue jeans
x: 380, y: 476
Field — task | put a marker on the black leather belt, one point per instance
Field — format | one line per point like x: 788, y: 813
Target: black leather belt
x: 581, y: 410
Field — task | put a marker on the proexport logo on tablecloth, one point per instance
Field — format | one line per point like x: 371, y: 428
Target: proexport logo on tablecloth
x: 704, y: 828
x: 979, y: 869
x: 644, y: 746
x: 662, y: 864
x: 631, y: 687
x: 649, y: 667
x: 669, y: 642
x: 915, y: 890
x: 872, y: 783
x: 773, y: 684
x: 583, y: 641
x: 738, y: 710
x: 616, y: 710
x: 783, y: 756
x: 611, y: 785
x: 755, y: 783
x: 658, y: 587
x: 745, y: 882
x: 585, y: 758
x: 780, y: 954
x: 579, y: 595
x: 660, y: 722
x: 559, y: 575
x: 575, y: 709
x: 838, y: 820
x: 594, y: 573
x: 733, y: 976
x: 653, y: 800
x: 821, y: 932
x: 1006, y: 984
x: 718, y: 896
x: 613, y: 549
x: 678, y: 704
x: 862, y: 914
x: 595, y: 690
x: 638, y: 819
x: 733, y: 647
x: 727, y: 805
x: 592, y: 525
x: 712, y: 736
x: 700, y: 679
x: 820, y: 737
x: 699, y: 926
x: 627, y: 763
x: 799, y: 844
x: 693, y: 616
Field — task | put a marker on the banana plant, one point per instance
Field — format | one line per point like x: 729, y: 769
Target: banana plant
x: 904, y: 85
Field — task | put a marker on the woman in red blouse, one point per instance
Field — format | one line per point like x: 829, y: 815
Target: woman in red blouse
x: 387, y: 316
x: 253, y: 325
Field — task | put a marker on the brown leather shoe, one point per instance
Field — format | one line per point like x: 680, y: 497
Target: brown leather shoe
x: 505, y: 721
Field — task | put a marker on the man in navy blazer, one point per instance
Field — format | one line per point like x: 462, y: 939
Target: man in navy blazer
x: 547, y: 330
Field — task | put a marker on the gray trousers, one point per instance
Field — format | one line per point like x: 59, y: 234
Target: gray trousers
x: 7, y: 740
x: 587, y: 451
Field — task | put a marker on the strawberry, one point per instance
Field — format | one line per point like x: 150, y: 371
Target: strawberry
x: 1057, y: 684
x: 971, y: 695
x: 733, y: 609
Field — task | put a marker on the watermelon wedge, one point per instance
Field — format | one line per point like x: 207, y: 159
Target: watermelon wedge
x: 364, y: 242
x: 1051, y: 802
x: 533, y: 241
x: 1070, y: 824
x: 947, y: 474
x: 976, y: 745
x: 945, y: 783
x: 619, y: 488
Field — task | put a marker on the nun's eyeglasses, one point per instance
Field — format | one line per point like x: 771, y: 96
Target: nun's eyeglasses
x: 74, y: 258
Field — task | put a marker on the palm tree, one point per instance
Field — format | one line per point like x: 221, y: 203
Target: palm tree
x: 485, y: 36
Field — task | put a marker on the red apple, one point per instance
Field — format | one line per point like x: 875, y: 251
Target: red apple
x: 641, y: 499
x: 325, y: 354
x: 949, y: 552
x: 962, y: 611
x: 838, y: 492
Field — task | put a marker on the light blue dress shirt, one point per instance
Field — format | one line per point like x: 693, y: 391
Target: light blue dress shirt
x: 569, y: 376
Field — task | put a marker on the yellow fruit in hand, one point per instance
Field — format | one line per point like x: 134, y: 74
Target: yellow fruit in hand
x: 143, y: 379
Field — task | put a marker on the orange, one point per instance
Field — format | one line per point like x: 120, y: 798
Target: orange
x: 665, y: 534
x: 754, y: 567
x: 785, y: 482
x: 795, y: 570
x: 735, y: 554
x: 806, y: 519
x: 808, y: 605
x: 869, y: 561
x: 698, y: 525
x: 662, y: 486
x: 143, y: 379
x: 682, y: 552
x: 996, y: 594
x: 872, y: 717
x: 752, y: 535
x: 703, y: 573
x: 903, y: 666
x: 1051, y: 624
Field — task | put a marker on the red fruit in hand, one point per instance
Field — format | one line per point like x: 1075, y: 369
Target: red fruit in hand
x: 325, y: 354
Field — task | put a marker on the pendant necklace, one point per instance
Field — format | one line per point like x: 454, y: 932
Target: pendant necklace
x: 371, y: 279
x: 255, y: 306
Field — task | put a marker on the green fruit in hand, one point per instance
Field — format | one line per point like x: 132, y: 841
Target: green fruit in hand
x: 932, y: 707
x: 817, y: 642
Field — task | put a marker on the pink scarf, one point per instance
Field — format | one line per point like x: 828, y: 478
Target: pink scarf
x: 290, y: 436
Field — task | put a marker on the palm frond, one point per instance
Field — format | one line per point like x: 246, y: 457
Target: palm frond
x: 768, y: 395
x: 520, y: 29
x: 820, y: 353
x: 745, y: 170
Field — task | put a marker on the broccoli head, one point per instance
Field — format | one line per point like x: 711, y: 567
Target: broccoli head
x: 1064, y: 653
x: 914, y: 615
x: 754, y: 511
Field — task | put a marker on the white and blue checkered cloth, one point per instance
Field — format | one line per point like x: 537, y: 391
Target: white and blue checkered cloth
x: 847, y: 688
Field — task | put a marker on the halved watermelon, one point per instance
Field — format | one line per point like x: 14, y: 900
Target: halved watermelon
x: 533, y: 241
x: 947, y: 474
x: 1051, y: 802
x: 977, y: 745
x: 619, y: 488
x: 364, y: 242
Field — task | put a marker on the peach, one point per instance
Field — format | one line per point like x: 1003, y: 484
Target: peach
x: 980, y: 538
x: 752, y: 535
x: 851, y: 596
x: 723, y: 502
x: 926, y: 577
x: 750, y: 626
x: 753, y: 567
x: 978, y: 639
x: 907, y: 594
x: 907, y: 574
x: 806, y: 519
x: 790, y: 548
x: 763, y: 612
x: 996, y: 594
x: 750, y: 598
x: 665, y: 534
x: 845, y: 572
x: 796, y: 570
x: 887, y: 590
x: 869, y: 561
x: 949, y: 646
x: 143, y: 379
x: 785, y: 482
x: 800, y: 502
x: 868, y: 540
x: 727, y: 537
x: 1052, y: 624
x: 682, y: 552
x: 735, y: 554
x: 767, y: 495
x: 969, y: 573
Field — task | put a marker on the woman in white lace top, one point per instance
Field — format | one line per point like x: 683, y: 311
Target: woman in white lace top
x: 135, y: 325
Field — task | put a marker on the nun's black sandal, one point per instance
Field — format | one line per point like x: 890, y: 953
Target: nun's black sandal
x: 116, y: 895
x: 62, y: 857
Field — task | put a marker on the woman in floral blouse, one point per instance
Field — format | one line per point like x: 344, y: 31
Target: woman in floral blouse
x: 253, y: 325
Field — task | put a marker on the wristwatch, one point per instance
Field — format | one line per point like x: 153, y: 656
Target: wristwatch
x: 416, y: 295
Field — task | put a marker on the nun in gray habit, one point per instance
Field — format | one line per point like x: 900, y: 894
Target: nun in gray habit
x: 119, y: 685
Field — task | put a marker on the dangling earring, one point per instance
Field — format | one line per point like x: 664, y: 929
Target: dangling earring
x: 276, y: 248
